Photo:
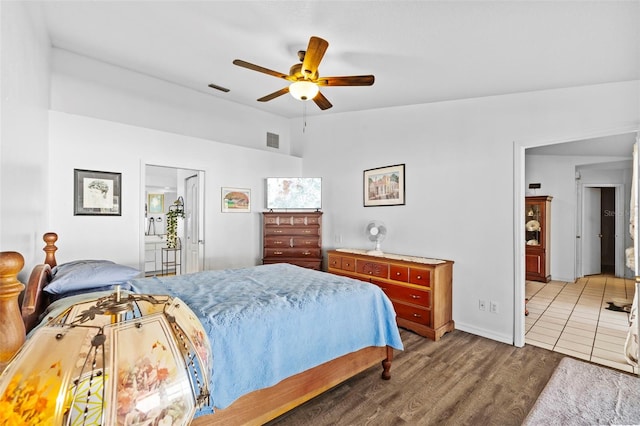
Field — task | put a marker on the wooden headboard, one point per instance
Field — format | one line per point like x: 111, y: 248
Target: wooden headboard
x: 34, y: 300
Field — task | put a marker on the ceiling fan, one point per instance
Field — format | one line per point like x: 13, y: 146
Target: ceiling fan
x: 304, y: 77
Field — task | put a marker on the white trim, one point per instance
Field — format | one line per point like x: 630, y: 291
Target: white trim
x: 519, y: 292
x: 482, y: 332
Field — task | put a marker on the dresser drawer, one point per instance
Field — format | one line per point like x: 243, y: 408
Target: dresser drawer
x: 399, y: 273
x: 374, y: 269
x: 305, y: 220
x: 305, y: 263
x: 413, y: 313
x: 405, y: 294
x: 291, y: 230
x: 420, y: 276
x: 305, y: 241
x: 286, y: 220
x: 292, y: 252
x: 277, y: 242
x: 342, y: 262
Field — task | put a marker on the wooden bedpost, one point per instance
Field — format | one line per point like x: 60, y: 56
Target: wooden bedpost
x: 12, y: 331
x: 50, y: 249
x: 386, y: 364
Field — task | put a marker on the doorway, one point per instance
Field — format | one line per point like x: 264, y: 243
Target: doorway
x: 164, y: 186
x: 600, y: 247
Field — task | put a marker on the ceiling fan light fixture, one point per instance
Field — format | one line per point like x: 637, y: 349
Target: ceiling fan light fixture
x: 303, y: 90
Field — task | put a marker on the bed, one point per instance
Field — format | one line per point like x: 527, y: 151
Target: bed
x: 288, y: 388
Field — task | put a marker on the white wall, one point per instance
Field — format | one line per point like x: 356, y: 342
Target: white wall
x: 24, y: 52
x: 557, y: 177
x: 77, y: 142
x: 92, y: 88
x: 459, y: 160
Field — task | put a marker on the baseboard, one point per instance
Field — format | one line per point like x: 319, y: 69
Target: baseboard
x: 484, y: 333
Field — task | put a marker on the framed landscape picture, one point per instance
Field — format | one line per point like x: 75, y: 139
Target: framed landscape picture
x: 97, y: 193
x: 384, y: 186
x: 236, y: 200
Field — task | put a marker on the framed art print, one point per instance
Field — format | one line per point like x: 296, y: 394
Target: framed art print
x: 156, y: 203
x: 384, y: 186
x: 97, y: 193
x: 236, y: 200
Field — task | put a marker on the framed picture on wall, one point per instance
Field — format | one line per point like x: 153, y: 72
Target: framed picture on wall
x: 236, y: 200
x: 384, y: 186
x: 97, y: 193
x: 155, y: 203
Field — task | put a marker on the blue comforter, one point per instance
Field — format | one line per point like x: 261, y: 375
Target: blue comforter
x: 269, y: 322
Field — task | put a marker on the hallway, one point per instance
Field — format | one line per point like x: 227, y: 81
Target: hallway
x: 572, y: 318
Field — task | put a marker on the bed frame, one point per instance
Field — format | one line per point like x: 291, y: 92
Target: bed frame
x: 255, y: 408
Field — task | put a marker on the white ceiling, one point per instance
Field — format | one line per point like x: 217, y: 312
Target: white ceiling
x: 419, y: 51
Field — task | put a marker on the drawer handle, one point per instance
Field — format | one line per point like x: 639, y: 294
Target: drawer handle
x: 306, y: 231
x: 278, y: 231
x: 306, y: 253
x: 415, y: 296
x: 419, y: 277
x: 398, y: 274
x: 277, y: 252
x: 278, y: 242
x: 347, y: 264
x: 417, y: 316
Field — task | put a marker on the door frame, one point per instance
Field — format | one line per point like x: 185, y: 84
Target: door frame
x: 619, y: 225
x: 142, y: 200
x: 519, y: 148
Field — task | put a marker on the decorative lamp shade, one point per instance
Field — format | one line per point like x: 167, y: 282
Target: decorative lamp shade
x: 303, y: 90
x: 118, y: 360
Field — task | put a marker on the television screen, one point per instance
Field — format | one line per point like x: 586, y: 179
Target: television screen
x: 294, y: 193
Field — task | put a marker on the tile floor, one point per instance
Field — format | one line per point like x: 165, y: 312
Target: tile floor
x: 572, y: 318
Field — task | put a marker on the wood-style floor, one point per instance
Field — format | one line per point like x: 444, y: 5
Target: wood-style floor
x: 462, y: 379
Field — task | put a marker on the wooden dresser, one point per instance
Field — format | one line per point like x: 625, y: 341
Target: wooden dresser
x: 294, y: 238
x: 419, y: 288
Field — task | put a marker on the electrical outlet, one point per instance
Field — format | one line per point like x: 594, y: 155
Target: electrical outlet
x: 493, y: 307
x: 482, y: 305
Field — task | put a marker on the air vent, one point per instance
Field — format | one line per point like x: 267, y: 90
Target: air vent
x: 273, y: 140
x: 215, y: 86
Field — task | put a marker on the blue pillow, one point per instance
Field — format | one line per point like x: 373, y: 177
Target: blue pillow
x: 87, y: 275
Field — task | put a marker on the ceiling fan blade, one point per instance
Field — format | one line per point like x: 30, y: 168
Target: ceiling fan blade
x: 353, y: 80
x: 322, y: 102
x: 313, y: 56
x: 244, y: 64
x: 274, y: 94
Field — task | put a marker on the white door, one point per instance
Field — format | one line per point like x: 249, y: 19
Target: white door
x: 591, y: 234
x: 194, y: 247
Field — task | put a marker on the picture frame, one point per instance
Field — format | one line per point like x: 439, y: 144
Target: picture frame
x: 155, y: 203
x: 97, y: 193
x: 236, y: 200
x: 384, y: 186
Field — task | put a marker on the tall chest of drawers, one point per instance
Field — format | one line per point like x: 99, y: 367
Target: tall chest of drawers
x: 294, y: 238
x: 419, y: 288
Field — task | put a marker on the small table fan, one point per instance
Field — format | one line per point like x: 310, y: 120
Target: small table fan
x: 376, y: 232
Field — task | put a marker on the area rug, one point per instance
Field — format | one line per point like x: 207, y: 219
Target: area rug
x: 580, y: 393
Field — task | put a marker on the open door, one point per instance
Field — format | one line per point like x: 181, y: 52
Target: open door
x: 194, y: 236
x: 591, y: 234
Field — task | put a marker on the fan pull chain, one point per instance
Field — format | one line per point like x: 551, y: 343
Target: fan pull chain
x: 304, y: 116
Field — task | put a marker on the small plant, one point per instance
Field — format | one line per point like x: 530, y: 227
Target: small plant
x: 175, y: 211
